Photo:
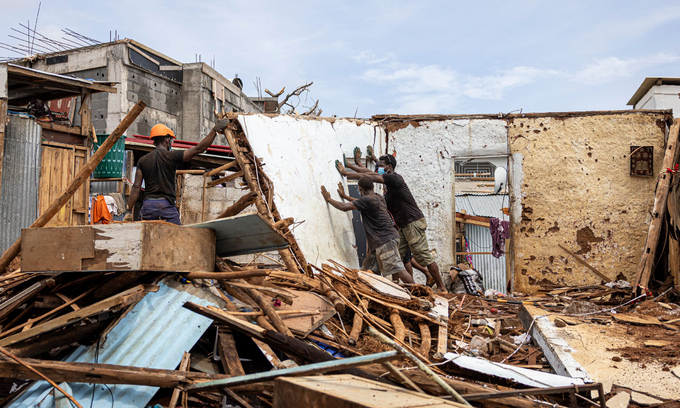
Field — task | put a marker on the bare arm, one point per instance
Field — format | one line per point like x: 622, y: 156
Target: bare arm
x: 375, y: 177
x: 340, y: 206
x: 359, y: 168
x: 135, y: 190
x: 341, y: 192
x: 207, y: 141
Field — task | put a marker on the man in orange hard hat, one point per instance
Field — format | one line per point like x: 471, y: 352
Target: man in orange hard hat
x: 158, y: 168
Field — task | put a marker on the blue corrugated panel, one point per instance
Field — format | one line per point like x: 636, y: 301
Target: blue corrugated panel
x: 154, y: 334
x: 20, y: 178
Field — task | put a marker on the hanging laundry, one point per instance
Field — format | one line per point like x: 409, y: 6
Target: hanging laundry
x: 500, y: 231
x: 100, y: 212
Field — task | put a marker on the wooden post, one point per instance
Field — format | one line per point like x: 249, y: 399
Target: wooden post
x: 648, y: 256
x: 183, y: 366
x: 82, y: 176
x: 238, y: 206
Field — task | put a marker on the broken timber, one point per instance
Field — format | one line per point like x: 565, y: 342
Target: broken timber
x: 555, y: 348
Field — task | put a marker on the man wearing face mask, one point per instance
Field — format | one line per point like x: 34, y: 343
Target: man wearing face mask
x: 158, y: 168
x: 403, y: 207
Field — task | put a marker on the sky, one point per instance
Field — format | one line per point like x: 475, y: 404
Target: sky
x: 397, y: 57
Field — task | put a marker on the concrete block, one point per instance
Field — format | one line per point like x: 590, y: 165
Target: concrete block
x: 620, y: 400
x: 193, y: 206
x: 217, y: 207
x: 644, y: 400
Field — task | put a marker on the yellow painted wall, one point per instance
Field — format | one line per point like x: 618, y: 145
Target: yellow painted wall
x: 576, y: 190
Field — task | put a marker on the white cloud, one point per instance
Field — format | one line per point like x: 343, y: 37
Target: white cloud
x: 612, y: 68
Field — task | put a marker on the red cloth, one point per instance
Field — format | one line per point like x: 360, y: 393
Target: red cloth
x: 100, y: 212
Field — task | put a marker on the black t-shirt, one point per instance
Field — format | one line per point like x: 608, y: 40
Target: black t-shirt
x: 377, y: 221
x: 400, y: 201
x: 158, y: 169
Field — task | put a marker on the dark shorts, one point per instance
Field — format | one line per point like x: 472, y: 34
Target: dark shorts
x: 159, y: 209
x: 407, y: 257
x: 385, y: 259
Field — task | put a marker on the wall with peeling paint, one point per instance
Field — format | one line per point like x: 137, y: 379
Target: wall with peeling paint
x: 299, y: 157
x: 425, y: 154
x: 571, y: 185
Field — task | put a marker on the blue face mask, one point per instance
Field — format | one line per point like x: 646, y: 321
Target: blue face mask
x: 381, y: 170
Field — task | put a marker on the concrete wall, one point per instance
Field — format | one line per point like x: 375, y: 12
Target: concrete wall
x: 217, y: 199
x: 186, y: 107
x: 571, y: 185
x: 661, y: 97
x: 425, y: 158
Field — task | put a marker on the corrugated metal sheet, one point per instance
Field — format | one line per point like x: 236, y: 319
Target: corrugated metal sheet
x: 483, y: 205
x: 492, y: 269
x: 154, y: 334
x: 20, y: 178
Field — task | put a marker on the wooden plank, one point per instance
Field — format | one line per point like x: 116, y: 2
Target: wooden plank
x: 183, y: 366
x: 121, y: 299
x: 347, y: 391
x: 384, y: 286
x: 222, y: 168
x: 240, y: 205
x: 316, y: 368
x: 305, y: 300
x: 56, y: 249
x: 636, y: 319
x: 221, y: 316
x: 60, y: 79
x: 228, y: 354
x: 648, y: 258
x: 78, y: 180
x: 226, y: 179
x: 67, y: 300
x: 583, y: 261
x: 90, y: 373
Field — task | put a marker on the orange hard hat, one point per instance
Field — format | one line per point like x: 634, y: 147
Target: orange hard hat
x: 160, y: 131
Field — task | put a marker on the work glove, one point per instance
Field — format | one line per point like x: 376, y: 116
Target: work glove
x: 127, y: 217
x: 221, y: 125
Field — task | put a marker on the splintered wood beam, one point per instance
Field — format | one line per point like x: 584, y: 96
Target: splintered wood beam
x: 646, y: 265
x: 398, y: 325
x: 357, y: 324
x: 248, y: 273
x: 89, y: 373
x: 240, y: 205
x: 228, y: 354
x: 122, y: 299
x: 425, y: 338
x: 41, y: 375
x: 183, y: 366
x: 222, y: 168
x: 226, y: 179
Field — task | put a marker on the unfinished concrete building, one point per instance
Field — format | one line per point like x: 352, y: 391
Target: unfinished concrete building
x: 183, y: 96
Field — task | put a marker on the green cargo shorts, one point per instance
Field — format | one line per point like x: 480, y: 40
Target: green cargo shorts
x: 413, y: 236
x: 385, y: 260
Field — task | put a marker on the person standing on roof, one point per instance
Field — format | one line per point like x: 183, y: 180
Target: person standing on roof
x: 404, y: 209
x: 158, y: 168
x: 383, y: 239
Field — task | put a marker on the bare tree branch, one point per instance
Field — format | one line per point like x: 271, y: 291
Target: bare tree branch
x: 296, y: 93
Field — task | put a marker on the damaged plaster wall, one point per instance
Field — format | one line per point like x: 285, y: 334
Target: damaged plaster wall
x: 571, y: 185
x: 299, y: 156
x: 425, y: 158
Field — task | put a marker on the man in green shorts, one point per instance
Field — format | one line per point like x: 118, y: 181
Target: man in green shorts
x: 407, y: 215
x: 383, y: 239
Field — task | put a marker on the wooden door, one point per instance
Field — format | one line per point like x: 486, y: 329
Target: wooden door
x: 59, y: 163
